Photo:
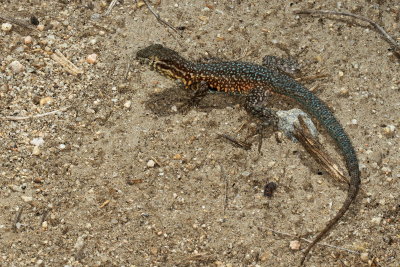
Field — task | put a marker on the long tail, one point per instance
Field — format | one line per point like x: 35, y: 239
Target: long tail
x: 320, y: 111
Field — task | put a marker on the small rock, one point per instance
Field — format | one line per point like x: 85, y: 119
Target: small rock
x: 36, y: 151
x: 151, y: 163
x: 46, y: 101
x: 376, y: 220
x: 354, y: 122
x: 128, y: 104
x: 389, y: 130
x: 40, y: 27
x: 6, y: 27
x: 246, y: 174
x: 16, y: 66
x: 91, y: 59
x: 37, y: 141
x: 27, y: 199
x: 341, y: 73
x: 28, y: 40
x: 177, y: 156
x: 80, y: 242
x: 61, y: 146
x: 294, y: 245
x: 344, y: 92
x: 44, y: 225
x: 364, y: 257
x: 265, y: 256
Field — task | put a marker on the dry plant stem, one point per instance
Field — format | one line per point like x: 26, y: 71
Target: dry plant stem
x: 110, y: 7
x: 68, y: 65
x: 309, y: 241
x: 378, y: 28
x: 19, y: 118
x: 160, y: 20
x: 18, y: 22
x: 312, y: 146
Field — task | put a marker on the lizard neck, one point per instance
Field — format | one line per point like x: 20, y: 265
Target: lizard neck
x: 176, y: 67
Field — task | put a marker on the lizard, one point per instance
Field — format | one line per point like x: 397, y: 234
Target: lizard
x: 258, y: 83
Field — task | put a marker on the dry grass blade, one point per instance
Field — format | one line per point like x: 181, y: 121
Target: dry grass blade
x: 312, y: 146
x: 19, y: 118
x: 378, y: 28
x: 68, y: 65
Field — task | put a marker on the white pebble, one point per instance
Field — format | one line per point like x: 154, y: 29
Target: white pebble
x: 37, y: 141
x: 16, y: 66
x: 80, y: 242
x: 376, y: 220
x: 6, y: 27
x: 27, y: 199
x: 28, y: 40
x: 294, y: 245
x: 91, y: 59
x: 389, y: 130
x: 61, y: 146
x: 151, y: 163
x: 128, y: 104
x: 354, y: 122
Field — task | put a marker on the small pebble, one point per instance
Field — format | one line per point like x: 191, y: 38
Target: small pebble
x: 16, y: 66
x: 91, y: 59
x: 364, y: 257
x: 6, y: 27
x: 294, y: 245
x: 44, y: 225
x: 27, y: 199
x: 389, y: 130
x: 46, y: 101
x: 28, y: 40
x: 344, y: 92
x: 354, y: 122
x: 37, y: 141
x: 128, y: 104
x: 80, y: 242
x: 151, y: 163
x: 36, y: 151
x: 376, y: 220
x: 177, y: 156
x: 40, y: 27
x: 341, y: 73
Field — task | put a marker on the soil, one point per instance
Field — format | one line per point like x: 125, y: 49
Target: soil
x: 121, y: 177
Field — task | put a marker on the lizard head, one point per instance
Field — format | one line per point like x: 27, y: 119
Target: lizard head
x: 164, y: 60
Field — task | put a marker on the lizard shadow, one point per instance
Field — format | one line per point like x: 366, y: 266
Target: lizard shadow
x: 176, y: 100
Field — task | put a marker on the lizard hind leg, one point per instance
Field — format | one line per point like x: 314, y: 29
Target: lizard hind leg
x: 256, y: 106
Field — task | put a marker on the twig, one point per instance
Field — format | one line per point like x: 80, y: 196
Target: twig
x: 68, y: 65
x: 110, y: 7
x: 226, y: 188
x: 309, y: 241
x: 18, y: 118
x: 312, y: 146
x: 17, y: 219
x: 378, y: 28
x: 160, y: 20
x: 18, y: 22
x: 235, y: 142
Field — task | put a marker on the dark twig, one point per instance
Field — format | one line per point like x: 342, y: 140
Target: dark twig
x: 160, y: 20
x: 235, y: 142
x: 18, y: 22
x: 309, y: 241
x: 378, y: 28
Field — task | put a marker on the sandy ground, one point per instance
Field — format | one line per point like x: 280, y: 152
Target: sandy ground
x: 121, y: 177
